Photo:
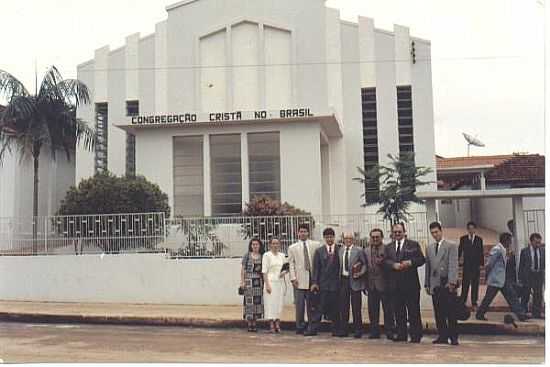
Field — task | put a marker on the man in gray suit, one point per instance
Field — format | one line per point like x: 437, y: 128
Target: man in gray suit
x: 377, y: 287
x: 353, y: 270
x: 441, y: 282
x: 495, y: 273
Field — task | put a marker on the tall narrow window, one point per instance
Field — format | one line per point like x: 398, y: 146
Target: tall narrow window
x: 132, y: 109
x: 264, y: 165
x: 188, y: 176
x: 370, y: 139
x: 226, y: 184
x: 102, y: 130
x: 405, y: 119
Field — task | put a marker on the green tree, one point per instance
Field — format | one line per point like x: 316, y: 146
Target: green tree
x: 398, y: 183
x: 106, y: 193
x: 46, y: 119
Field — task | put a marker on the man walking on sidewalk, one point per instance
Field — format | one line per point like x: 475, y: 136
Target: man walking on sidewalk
x: 441, y: 282
x: 495, y: 271
x: 300, y: 258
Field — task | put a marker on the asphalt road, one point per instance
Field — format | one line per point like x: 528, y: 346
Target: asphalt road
x: 24, y: 343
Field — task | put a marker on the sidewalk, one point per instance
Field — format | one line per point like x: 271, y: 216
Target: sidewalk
x: 210, y: 316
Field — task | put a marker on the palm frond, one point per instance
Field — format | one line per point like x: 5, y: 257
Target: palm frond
x: 10, y: 86
x: 74, y: 92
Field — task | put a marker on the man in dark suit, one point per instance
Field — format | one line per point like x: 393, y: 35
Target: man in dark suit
x: 531, y: 274
x: 325, y: 281
x: 403, y: 257
x: 471, y: 248
x: 377, y: 289
x: 441, y: 281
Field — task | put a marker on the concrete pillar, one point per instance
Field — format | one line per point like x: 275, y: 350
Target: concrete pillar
x: 431, y: 211
x: 520, y: 232
x: 207, y: 176
x: 245, y: 181
x: 483, y: 181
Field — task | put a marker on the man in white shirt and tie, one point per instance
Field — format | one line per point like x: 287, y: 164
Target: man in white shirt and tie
x: 470, y: 250
x: 300, y: 258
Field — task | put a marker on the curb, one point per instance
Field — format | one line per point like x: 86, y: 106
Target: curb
x: 483, y: 328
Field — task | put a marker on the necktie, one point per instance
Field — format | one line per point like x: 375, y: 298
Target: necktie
x: 346, y: 260
x: 307, y: 265
x: 436, y: 248
x: 536, y: 259
x: 398, y: 251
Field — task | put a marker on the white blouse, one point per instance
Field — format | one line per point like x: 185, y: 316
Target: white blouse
x: 272, y: 265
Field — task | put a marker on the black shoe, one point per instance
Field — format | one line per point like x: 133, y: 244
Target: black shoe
x: 415, y: 339
x: 310, y: 333
x: 454, y: 341
x: 400, y: 339
x: 300, y: 331
x: 522, y: 317
x: 358, y: 335
x: 440, y: 341
x: 375, y: 336
x: 481, y: 317
x: 389, y: 336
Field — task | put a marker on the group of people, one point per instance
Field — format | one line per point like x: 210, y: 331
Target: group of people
x: 328, y: 278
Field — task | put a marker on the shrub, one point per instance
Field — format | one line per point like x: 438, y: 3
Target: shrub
x: 110, y: 194
x: 265, y: 228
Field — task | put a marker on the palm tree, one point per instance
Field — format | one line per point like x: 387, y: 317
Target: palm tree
x: 398, y: 183
x: 45, y: 119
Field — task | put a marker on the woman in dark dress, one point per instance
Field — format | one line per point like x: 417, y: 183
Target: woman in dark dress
x: 253, y: 284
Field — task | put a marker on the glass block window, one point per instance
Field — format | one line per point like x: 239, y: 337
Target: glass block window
x: 226, y: 178
x: 370, y: 138
x: 132, y: 109
x: 405, y: 119
x: 188, y: 176
x: 264, y: 159
x: 102, y: 130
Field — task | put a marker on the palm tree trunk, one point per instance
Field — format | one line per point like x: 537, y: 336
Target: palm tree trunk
x: 36, y: 155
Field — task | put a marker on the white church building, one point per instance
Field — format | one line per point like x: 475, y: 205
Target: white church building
x: 232, y: 99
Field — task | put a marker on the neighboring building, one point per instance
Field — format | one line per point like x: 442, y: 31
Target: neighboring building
x: 231, y: 99
x: 500, y: 172
x: 16, y: 184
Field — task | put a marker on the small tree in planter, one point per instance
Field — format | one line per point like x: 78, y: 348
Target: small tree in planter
x: 265, y: 228
x: 398, y: 183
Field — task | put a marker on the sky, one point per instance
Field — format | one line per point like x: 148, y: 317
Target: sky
x: 487, y: 55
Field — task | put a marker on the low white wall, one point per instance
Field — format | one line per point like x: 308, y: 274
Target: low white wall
x: 139, y: 278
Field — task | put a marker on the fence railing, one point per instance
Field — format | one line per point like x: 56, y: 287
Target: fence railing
x: 214, y: 237
x: 82, y: 234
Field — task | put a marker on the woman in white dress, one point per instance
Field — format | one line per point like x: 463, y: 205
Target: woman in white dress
x: 272, y: 264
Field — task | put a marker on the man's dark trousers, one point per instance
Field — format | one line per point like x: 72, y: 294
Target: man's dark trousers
x: 407, y: 300
x: 509, y: 294
x: 348, y: 296
x: 445, y: 313
x: 375, y: 297
x: 470, y: 277
x: 534, y: 284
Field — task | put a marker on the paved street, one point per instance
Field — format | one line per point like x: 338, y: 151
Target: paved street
x: 20, y: 343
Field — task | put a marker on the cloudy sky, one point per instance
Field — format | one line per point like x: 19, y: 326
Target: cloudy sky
x: 487, y: 55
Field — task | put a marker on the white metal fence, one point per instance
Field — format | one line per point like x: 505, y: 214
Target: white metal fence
x: 534, y: 222
x: 82, y: 234
x: 212, y: 237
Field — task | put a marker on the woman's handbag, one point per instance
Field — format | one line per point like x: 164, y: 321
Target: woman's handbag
x: 240, y: 291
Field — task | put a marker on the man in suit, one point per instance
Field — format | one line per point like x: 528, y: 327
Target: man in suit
x: 531, y: 274
x: 377, y: 289
x: 441, y: 282
x: 495, y: 271
x: 471, y: 249
x: 353, y: 270
x: 300, y: 258
x: 325, y: 280
x: 403, y: 257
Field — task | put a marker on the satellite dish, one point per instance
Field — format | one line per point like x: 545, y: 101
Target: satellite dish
x: 472, y: 141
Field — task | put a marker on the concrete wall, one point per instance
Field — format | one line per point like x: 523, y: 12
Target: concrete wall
x: 139, y: 278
